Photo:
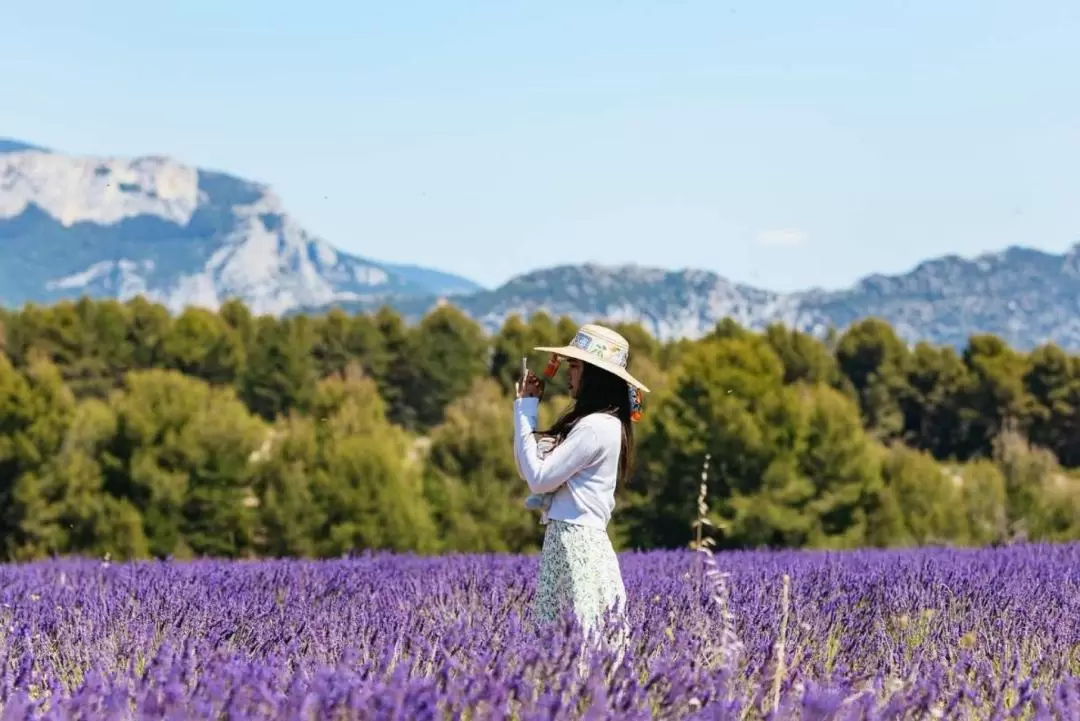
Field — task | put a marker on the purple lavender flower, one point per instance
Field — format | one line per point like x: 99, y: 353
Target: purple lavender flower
x: 866, y: 634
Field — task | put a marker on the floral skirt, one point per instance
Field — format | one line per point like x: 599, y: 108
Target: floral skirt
x: 579, y: 571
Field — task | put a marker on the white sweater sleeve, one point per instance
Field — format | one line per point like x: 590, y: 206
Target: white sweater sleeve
x: 517, y: 457
x: 579, y: 449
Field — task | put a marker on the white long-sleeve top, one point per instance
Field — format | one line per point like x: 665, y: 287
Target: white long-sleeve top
x: 581, y: 471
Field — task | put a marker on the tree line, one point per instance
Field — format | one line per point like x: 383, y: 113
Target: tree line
x: 128, y: 431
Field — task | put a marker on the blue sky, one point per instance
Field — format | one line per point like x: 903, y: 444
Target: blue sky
x: 784, y: 144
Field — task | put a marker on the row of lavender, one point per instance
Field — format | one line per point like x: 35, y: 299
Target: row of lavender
x: 860, y: 635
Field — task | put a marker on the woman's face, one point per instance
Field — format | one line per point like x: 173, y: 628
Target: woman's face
x: 573, y: 372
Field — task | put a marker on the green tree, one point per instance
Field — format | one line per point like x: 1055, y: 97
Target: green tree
x: 672, y: 352
x: 547, y: 331
x: 106, y: 352
x: 87, y: 340
x: 201, y: 344
x: 104, y: 452
x: 397, y: 375
x: 994, y: 398
x: 239, y: 318
x: 838, y: 460
x: 727, y: 328
x: 476, y: 493
x: 984, y: 502
x: 46, y: 332
x: 281, y: 371
x: 932, y: 400
x: 353, y: 480
x: 447, y: 353
x: 342, y: 340
x: 805, y: 359
x: 51, y: 492
x: 927, y: 497
x: 565, y: 329
x: 1052, y: 383
x: 791, y: 465
x: 1042, y: 502
x: 291, y: 523
x: 181, y: 455
x: 33, y: 416
x: 820, y: 485
x: 720, y: 400
x: 874, y: 360
x: 149, y: 327
x: 97, y: 524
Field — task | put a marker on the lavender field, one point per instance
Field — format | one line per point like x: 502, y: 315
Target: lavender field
x: 917, y: 634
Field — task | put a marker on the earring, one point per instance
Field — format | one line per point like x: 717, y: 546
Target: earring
x: 635, y: 403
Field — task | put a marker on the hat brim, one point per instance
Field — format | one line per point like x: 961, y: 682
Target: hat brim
x: 569, y: 351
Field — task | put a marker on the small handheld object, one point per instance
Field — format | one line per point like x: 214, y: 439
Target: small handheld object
x: 524, y: 368
x: 552, y: 366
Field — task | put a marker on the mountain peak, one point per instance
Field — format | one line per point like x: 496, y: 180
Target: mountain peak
x: 104, y: 191
x: 10, y: 145
x: 180, y: 235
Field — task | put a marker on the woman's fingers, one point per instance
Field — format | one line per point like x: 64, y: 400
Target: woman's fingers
x: 533, y: 386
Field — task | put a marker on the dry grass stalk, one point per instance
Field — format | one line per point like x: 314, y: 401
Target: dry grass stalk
x: 702, y: 508
x: 730, y: 646
x: 781, y: 642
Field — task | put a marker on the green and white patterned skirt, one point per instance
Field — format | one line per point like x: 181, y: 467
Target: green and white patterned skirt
x: 580, y: 571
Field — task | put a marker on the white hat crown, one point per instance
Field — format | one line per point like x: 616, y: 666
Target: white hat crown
x: 603, y: 343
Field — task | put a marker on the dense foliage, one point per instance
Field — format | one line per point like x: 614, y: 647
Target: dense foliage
x: 128, y: 431
x: 797, y: 635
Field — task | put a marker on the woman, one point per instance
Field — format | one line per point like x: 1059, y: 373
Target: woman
x: 592, y: 451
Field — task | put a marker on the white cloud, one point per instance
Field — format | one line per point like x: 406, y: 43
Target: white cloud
x: 782, y: 237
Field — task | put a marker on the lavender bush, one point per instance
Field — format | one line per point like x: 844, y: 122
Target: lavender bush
x: 867, y: 635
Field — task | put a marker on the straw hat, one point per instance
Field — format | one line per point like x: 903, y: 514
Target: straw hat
x: 603, y: 348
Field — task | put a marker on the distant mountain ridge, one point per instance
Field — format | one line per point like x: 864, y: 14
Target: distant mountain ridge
x: 119, y: 227
x: 7, y: 145
x: 1026, y: 296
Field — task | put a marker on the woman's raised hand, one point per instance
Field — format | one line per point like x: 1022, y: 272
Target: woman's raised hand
x: 530, y: 387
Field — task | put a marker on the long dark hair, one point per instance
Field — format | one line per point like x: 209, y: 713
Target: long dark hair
x: 600, y: 392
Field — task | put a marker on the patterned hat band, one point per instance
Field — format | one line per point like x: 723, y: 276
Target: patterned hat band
x: 601, y: 348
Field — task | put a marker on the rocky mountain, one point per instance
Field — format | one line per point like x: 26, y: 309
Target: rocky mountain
x: 115, y: 227
x: 671, y: 304
x: 1026, y: 296
x: 119, y: 227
